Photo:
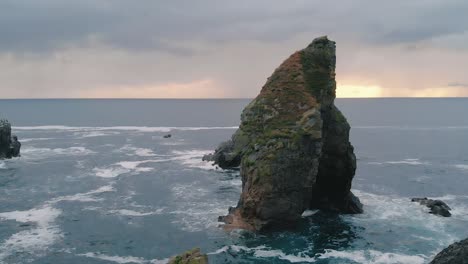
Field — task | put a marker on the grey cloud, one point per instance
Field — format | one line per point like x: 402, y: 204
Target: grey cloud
x: 35, y: 26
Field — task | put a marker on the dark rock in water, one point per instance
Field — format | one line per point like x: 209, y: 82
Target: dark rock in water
x: 225, y: 156
x: 190, y: 257
x: 9, y: 145
x: 292, y: 146
x: 456, y: 253
x: 437, y: 206
x: 167, y: 136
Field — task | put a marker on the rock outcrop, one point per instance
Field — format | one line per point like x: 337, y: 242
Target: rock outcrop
x: 190, y: 257
x: 456, y: 253
x: 9, y: 145
x: 437, y: 206
x: 292, y: 145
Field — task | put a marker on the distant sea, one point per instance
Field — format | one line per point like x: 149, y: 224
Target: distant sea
x: 98, y: 183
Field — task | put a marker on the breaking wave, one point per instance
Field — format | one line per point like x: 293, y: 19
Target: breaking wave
x: 35, y: 240
x: 359, y: 256
x: 121, y: 128
x: 405, y: 162
x: 123, y: 260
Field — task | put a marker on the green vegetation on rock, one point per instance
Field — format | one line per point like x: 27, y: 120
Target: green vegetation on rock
x: 190, y: 257
x: 293, y: 144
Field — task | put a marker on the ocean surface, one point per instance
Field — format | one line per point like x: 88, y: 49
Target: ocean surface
x: 98, y: 183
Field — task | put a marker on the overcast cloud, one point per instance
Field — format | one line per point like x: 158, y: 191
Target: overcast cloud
x: 213, y: 48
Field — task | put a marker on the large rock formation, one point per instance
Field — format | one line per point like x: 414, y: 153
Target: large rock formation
x: 456, y: 253
x: 9, y: 145
x: 436, y: 207
x: 292, y: 145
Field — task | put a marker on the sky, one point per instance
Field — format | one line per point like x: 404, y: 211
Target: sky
x: 224, y: 48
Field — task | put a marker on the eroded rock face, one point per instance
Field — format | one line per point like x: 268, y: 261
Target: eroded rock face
x: 9, y: 145
x: 292, y: 145
x: 456, y: 253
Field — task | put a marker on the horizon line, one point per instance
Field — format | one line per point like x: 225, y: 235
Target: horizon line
x: 218, y: 98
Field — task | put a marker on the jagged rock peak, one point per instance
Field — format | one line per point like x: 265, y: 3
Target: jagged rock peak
x: 292, y: 145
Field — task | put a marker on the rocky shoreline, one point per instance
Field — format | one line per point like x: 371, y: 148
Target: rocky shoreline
x: 457, y: 253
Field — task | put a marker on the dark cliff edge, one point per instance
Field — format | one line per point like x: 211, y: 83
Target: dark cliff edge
x: 457, y: 253
x: 9, y: 145
x: 292, y: 146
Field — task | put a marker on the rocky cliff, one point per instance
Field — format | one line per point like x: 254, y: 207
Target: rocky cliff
x: 9, y: 146
x: 292, y: 145
x: 456, y: 253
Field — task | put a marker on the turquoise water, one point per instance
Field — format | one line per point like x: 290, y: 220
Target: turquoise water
x: 97, y: 183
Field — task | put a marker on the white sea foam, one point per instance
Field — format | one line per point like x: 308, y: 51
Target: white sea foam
x: 95, y: 134
x: 394, y: 212
x: 266, y: 252
x: 124, y: 259
x: 374, y: 257
x: 172, y: 142
x: 84, y: 197
x: 405, y: 161
x: 123, y: 167
x: 127, y: 212
x: 110, y: 172
x: 262, y: 253
x: 144, y: 152
x: 35, y: 240
x: 461, y: 166
x: 32, y: 152
x: 34, y: 139
x: 121, y: 128
x: 116, y: 259
x: 194, y: 210
x: 193, y: 159
x: 359, y: 256
x: 44, y: 231
x: 3, y: 165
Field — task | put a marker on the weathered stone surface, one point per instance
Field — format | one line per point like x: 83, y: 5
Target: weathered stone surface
x: 437, y: 206
x: 456, y: 253
x: 190, y: 257
x: 292, y: 145
x: 9, y: 145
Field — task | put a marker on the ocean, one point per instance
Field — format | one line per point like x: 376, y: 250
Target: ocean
x: 98, y: 183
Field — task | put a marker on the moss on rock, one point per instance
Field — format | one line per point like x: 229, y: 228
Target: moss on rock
x: 193, y: 256
x: 293, y: 144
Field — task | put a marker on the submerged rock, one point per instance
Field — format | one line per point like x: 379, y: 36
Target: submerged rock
x: 167, y: 136
x: 456, y: 253
x: 9, y: 145
x: 437, y: 206
x: 292, y: 145
x: 190, y: 257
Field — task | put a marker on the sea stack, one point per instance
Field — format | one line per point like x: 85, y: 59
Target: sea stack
x: 9, y: 145
x: 292, y: 146
x: 457, y: 253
